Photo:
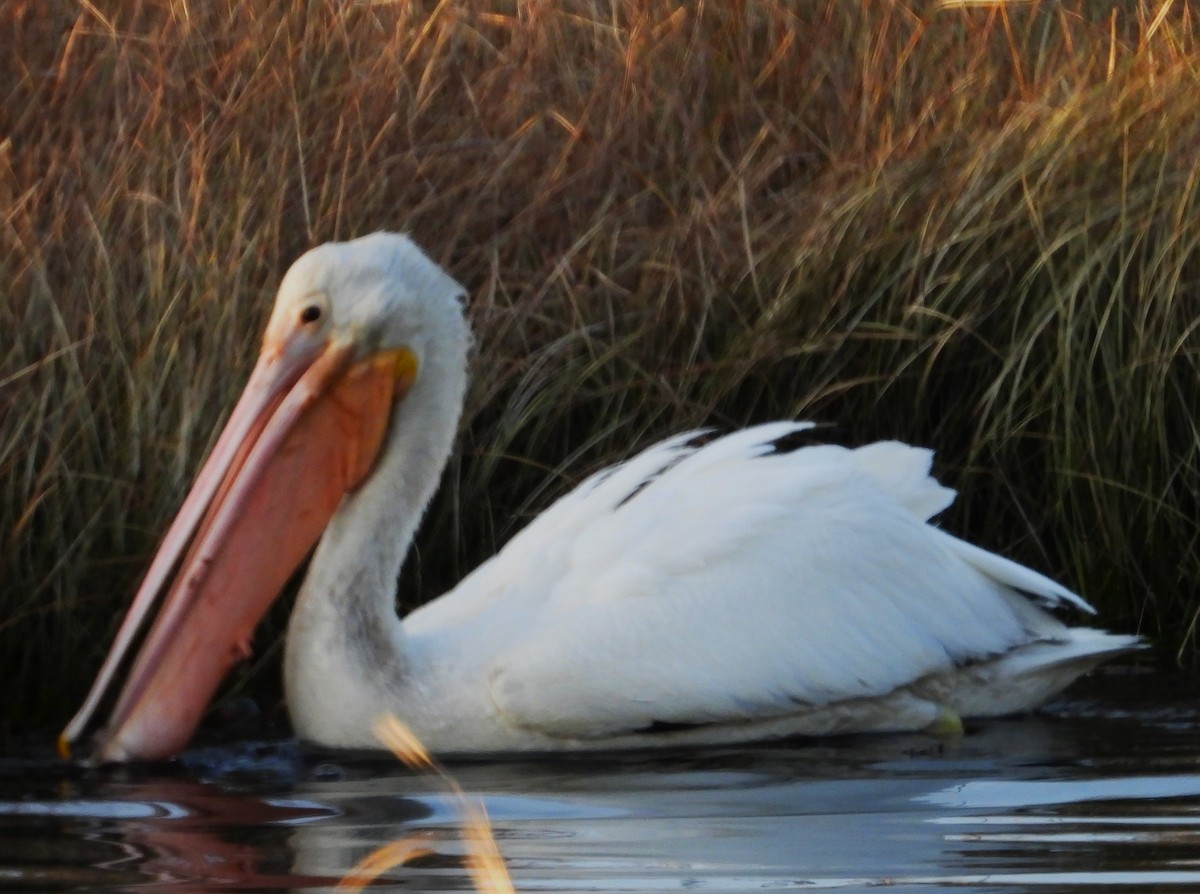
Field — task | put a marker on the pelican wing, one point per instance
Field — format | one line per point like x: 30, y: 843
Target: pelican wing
x: 732, y: 581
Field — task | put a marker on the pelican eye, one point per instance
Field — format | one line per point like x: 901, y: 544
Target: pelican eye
x: 310, y: 314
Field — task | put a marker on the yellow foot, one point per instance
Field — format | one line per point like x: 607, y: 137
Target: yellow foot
x: 947, y: 724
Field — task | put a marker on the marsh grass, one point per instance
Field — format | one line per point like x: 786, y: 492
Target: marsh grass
x: 972, y: 228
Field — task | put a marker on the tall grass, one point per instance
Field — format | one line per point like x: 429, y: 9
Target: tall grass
x: 969, y: 228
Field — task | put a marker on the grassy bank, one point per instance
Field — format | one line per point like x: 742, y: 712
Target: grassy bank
x: 972, y: 228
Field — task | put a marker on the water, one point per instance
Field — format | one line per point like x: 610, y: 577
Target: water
x: 1101, y: 791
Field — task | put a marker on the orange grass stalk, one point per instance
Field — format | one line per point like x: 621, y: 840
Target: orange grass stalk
x: 375, y: 864
x: 963, y: 4
x: 484, y: 861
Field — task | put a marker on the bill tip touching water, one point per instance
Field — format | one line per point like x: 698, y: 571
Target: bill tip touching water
x: 705, y: 591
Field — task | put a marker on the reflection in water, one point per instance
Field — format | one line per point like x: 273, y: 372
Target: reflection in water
x: 1105, y: 792
x: 181, y: 834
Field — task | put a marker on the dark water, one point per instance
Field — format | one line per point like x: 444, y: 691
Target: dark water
x: 1102, y: 791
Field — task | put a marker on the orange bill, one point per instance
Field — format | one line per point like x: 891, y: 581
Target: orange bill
x: 306, y: 431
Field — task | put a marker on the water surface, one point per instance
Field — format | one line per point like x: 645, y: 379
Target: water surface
x: 1101, y: 791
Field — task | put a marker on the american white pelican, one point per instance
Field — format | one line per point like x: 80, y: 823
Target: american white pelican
x: 692, y: 595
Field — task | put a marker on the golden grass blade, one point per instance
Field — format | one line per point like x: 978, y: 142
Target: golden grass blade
x: 406, y: 746
x: 977, y: 4
x: 1163, y: 9
x: 379, y: 861
x: 484, y: 861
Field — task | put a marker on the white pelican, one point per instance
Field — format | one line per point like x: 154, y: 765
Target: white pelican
x: 692, y: 595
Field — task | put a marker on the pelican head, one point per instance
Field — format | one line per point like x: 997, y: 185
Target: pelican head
x: 376, y: 294
x: 355, y: 328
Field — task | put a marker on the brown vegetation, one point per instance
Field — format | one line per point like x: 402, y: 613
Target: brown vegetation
x: 971, y: 228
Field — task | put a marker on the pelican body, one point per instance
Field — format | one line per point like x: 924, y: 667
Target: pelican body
x: 702, y: 592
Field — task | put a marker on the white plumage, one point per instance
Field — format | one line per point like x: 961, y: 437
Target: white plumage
x: 704, y: 591
x: 706, y: 594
